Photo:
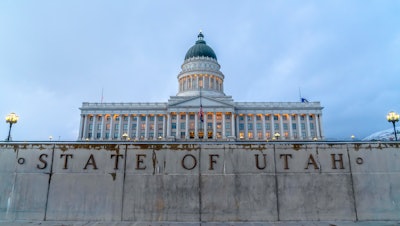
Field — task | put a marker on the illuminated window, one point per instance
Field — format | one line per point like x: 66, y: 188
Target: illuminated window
x: 267, y: 135
x: 151, y: 126
x: 259, y: 135
x: 108, y: 126
x: 241, y: 135
x: 250, y: 135
x: 219, y: 117
x: 286, y: 134
x: 219, y: 125
x: 143, y: 126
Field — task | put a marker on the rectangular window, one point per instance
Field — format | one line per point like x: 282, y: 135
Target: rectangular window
x: 134, y: 126
x: 151, y: 135
x: 267, y: 117
x: 90, y: 126
x: 125, y: 127
x: 173, y: 125
x: 183, y: 125
x: 302, y: 118
x: 134, y: 118
x: 108, y: 126
x: 294, y: 126
x: 219, y: 117
x: 182, y: 116
x: 293, y: 117
x: 228, y: 133
x: 173, y: 117
x: 98, y: 136
x: 108, y: 118
x: 241, y: 135
x: 303, y: 126
x: 209, y: 116
x: 241, y: 118
x: 259, y: 135
x: 250, y: 126
x: 182, y: 134
x: 268, y: 126
x: 311, y: 125
x: 116, y: 118
x: 99, y: 117
x: 249, y: 118
x: 91, y: 118
x: 227, y: 116
x: 125, y: 118
x: 258, y: 117
x: 311, y: 117
x: 259, y: 126
x: 284, y: 117
x: 107, y: 135
x: 219, y: 125
x: 151, y: 127
x: 276, y: 117
x: 241, y: 126
x: 276, y: 126
x: 116, y: 126
x: 285, y: 126
x: 209, y: 125
x: 191, y: 116
x: 250, y: 135
x: 115, y: 135
x: 227, y: 125
x: 143, y: 126
x: 99, y: 127
x: 143, y: 118
x: 267, y: 135
x: 152, y: 118
x: 160, y: 118
x: 89, y: 135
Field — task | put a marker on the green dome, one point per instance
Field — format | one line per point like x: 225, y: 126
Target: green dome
x: 200, y: 49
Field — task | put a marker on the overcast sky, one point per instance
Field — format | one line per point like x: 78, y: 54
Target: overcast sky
x: 54, y: 55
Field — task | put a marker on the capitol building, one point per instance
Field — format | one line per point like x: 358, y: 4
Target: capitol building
x: 201, y: 111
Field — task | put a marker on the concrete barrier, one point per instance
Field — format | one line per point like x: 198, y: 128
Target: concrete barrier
x: 206, y: 183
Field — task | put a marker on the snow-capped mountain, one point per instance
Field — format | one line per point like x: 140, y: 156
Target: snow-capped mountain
x: 384, y: 135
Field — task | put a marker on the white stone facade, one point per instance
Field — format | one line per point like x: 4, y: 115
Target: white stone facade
x: 222, y: 119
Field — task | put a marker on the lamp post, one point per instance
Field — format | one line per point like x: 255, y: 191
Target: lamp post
x: 11, y: 118
x: 125, y: 136
x: 393, y: 117
x: 276, y: 136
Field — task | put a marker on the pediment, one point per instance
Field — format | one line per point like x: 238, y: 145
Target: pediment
x: 206, y: 102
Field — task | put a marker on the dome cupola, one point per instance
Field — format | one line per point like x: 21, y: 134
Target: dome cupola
x: 201, y: 73
x: 200, y: 49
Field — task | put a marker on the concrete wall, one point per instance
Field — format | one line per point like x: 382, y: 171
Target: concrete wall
x: 200, y: 184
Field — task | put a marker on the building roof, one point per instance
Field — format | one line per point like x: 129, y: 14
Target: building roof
x: 200, y: 49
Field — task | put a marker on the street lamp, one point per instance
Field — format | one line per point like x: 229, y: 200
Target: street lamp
x: 393, y: 117
x: 11, y: 118
x: 277, y: 135
x: 125, y: 136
